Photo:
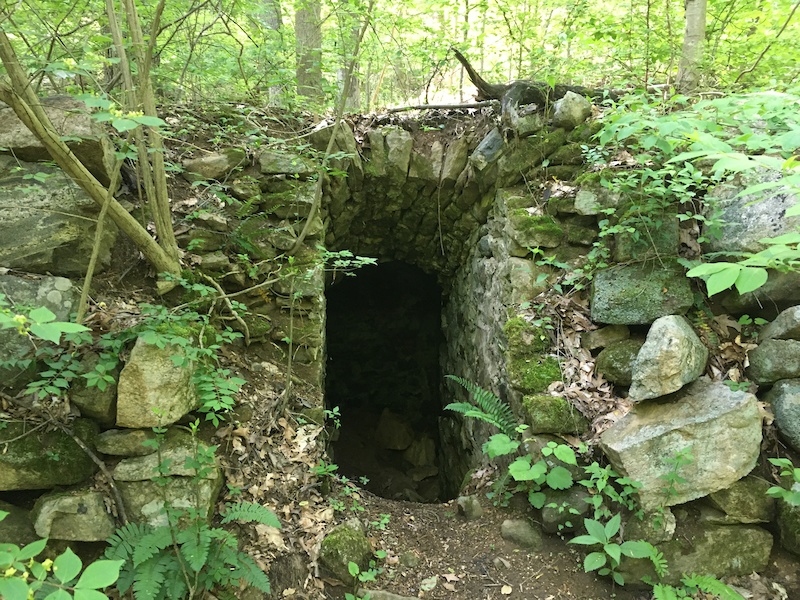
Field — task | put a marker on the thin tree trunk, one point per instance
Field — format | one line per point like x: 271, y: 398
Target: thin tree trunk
x: 693, y: 44
x: 308, y: 32
x: 274, y: 21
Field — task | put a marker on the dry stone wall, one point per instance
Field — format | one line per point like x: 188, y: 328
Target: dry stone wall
x: 462, y: 199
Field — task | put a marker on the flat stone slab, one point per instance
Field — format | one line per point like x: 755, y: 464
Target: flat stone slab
x: 639, y: 294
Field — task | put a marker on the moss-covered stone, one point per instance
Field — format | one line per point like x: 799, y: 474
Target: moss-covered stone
x: 37, y: 459
x: 639, y: 294
x: 526, y: 153
x: 570, y: 154
x: 660, y: 239
x: 345, y: 543
x: 533, y: 374
x: 746, y: 501
x: 552, y: 414
x: 524, y: 339
x: 789, y: 525
x: 615, y: 362
x: 551, y: 172
x: 532, y: 230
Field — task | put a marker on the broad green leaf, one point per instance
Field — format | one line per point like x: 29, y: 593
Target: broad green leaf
x: 612, y: 527
x: 124, y: 124
x: 786, y: 238
x: 31, y: 550
x: 594, y: 561
x: 67, y: 566
x: 100, y: 574
x: 46, y: 331
x: 536, y: 499
x: 558, y: 478
x: 636, y: 549
x: 596, y: 530
x: 565, y: 454
x: 353, y: 569
x: 13, y: 588
x: 522, y: 470
x: 584, y: 540
x: 500, y: 445
x: 722, y: 280
x: 613, y: 551
x: 706, y: 269
x: 751, y: 278
x: 89, y: 595
x: 149, y: 121
x: 41, y: 315
x: 58, y: 595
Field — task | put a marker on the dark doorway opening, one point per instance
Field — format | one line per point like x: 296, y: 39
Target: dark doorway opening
x: 384, y: 337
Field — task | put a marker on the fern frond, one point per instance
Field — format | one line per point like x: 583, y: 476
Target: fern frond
x: 251, y: 574
x: 151, y: 545
x: 150, y: 577
x: 250, y: 512
x: 195, y: 542
x: 664, y: 592
x: 492, y: 409
x: 711, y: 585
x: 125, y: 539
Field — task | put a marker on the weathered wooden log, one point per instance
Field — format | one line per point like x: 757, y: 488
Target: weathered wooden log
x: 522, y: 92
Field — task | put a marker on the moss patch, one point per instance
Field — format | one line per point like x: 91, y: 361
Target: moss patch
x: 552, y: 414
x: 615, y: 362
x: 343, y: 545
x: 530, y: 231
x: 524, y: 339
x: 534, y: 374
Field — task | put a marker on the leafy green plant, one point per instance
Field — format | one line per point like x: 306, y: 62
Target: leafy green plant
x: 792, y: 495
x: 607, y: 558
x: 605, y: 483
x: 39, y: 322
x: 672, y: 478
x: 367, y: 575
x: 60, y: 579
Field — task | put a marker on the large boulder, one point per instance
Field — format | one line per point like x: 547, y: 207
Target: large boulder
x: 720, y: 427
x: 571, y: 110
x: 47, y: 223
x: 615, y: 362
x: 78, y: 515
x: 746, y: 501
x: 639, y: 294
x: 751, y: 218
x: 38, y: 459
x: 214, y: 165
x: 72, y: 120
x: 785, y: 400
x: 149, y: 483
x: 671, y: 357
x: 152, y: 390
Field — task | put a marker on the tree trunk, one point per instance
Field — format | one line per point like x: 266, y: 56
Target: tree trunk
x: 308, y: 32
x: 274, y: 22
x: 693, y: 44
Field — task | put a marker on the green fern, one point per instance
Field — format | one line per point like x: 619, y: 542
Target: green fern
x: 662, y: 591
x: 250, y: 512
x: 490, y: 409
x: 711, y: 585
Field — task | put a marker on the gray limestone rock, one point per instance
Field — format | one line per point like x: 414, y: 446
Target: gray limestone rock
x: 720, y: 427
x: 605, y: 336
x: 571, y: 110
x: 615, y: 362
x: 593, y: 200
x: 746, y: 501
x: 78, y: 515
x: 785, y: 399
x: 789, y: 524
x: 277, y: 162
x: 716, y: 550
x: 144, y: 498
x: 470, y: 507
x: 786, y: 326
x: 671, y: 357
x: 93, y: 402
x: 654, y: 527
x: 639, y: 294
x: 39, y: 459
x: 398, y: 153
x: 152, y: 391
x: 71, y: 118
x: 17, y: 527
x: 125, y: 442
x: 564, y: 510
x: 214, y: 165
x: 488, y: 151
x: 344, y: 544
x: 47, y: 224
x: 455, y: 159
x: 393, y: 432
x: 382, y: 595
x: 774, y: 360
x: 522, y: 533
x: 748, y: 219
